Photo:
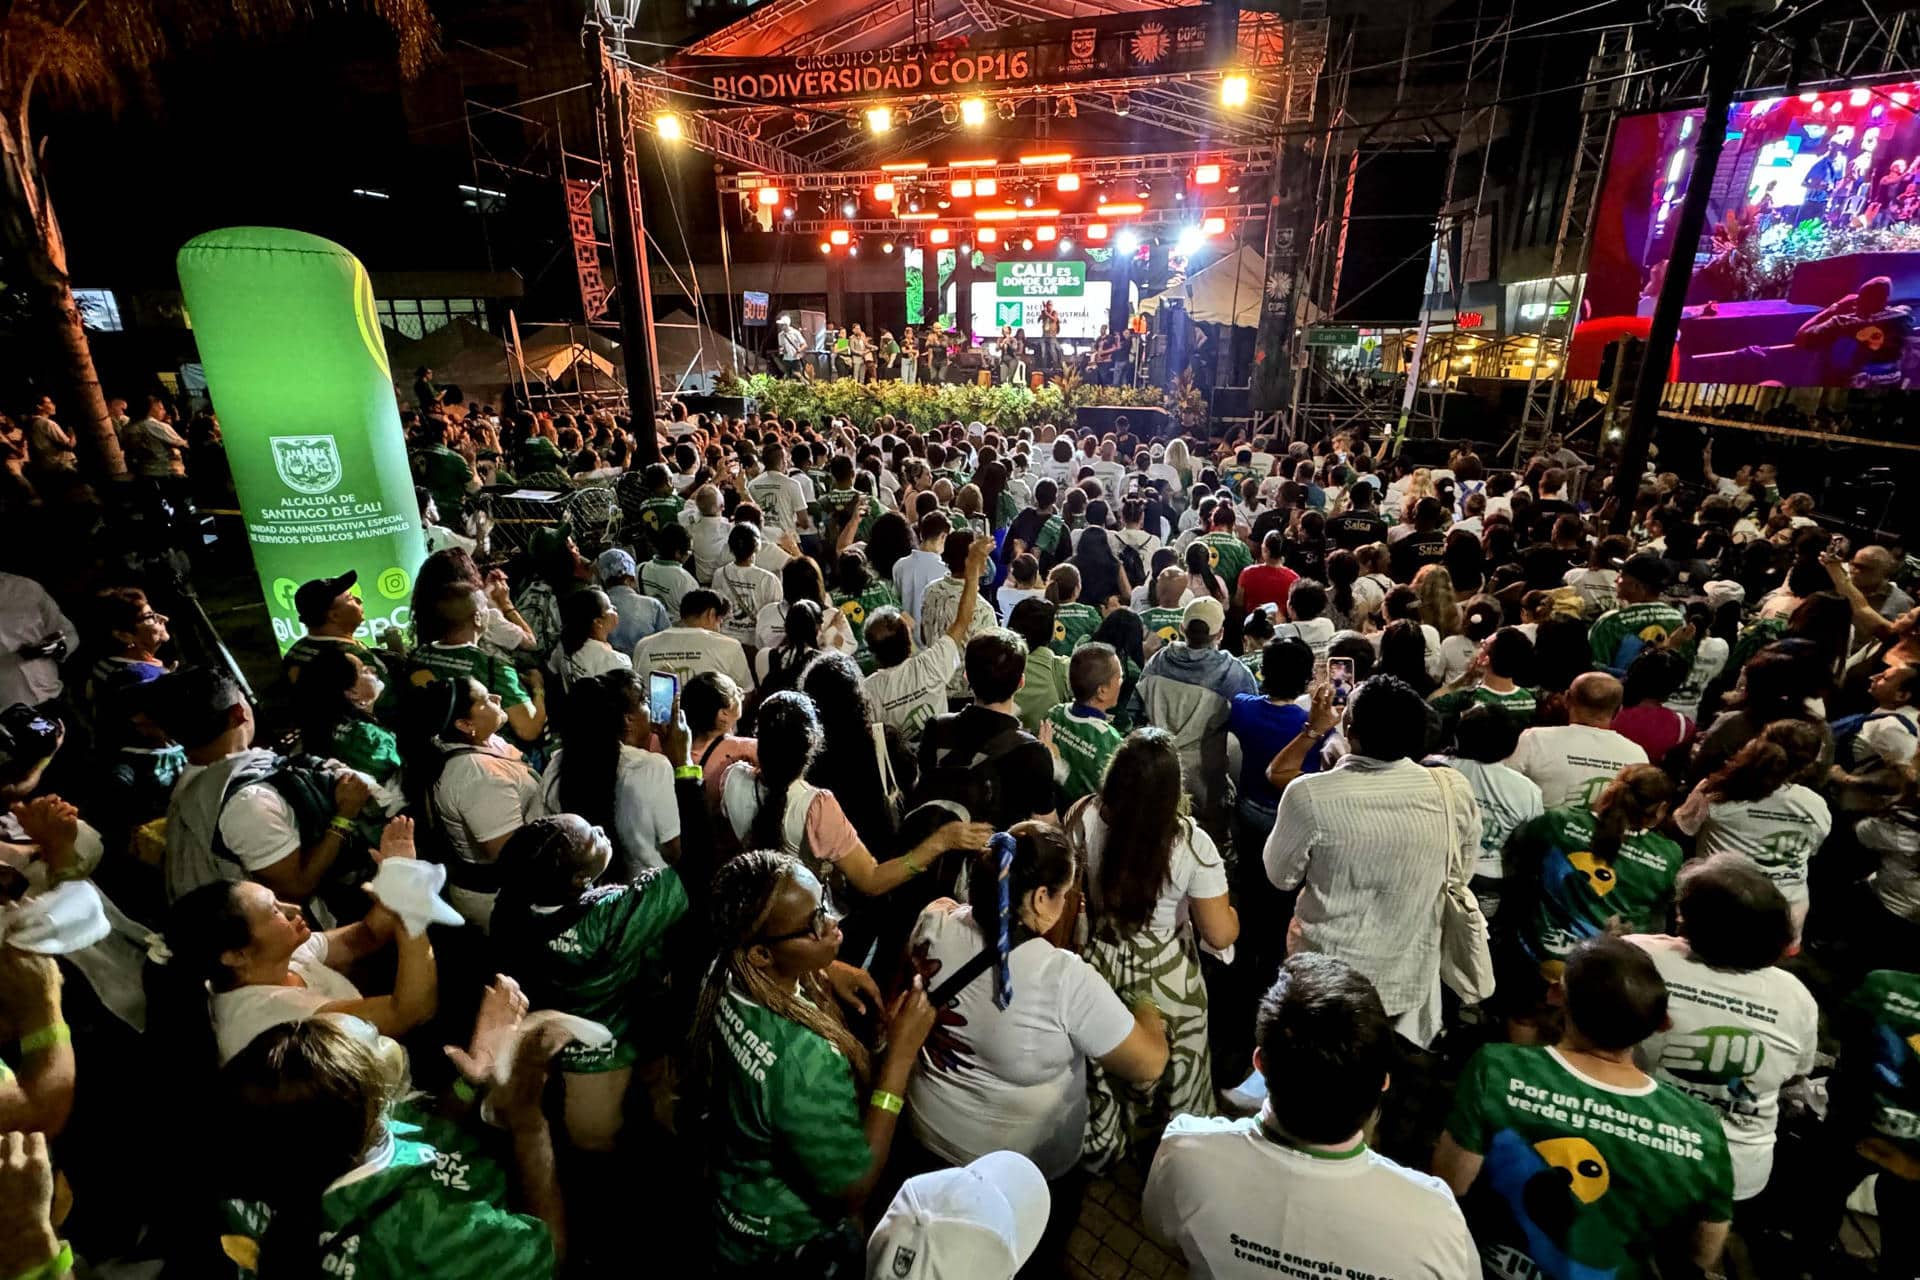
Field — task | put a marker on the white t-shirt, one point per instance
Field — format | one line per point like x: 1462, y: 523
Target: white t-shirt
x: 1735, y: 1039
x: 1573, y: 763
x: 1317, y: 633
x: 990, y: 1079
x: 1780, y: 833
x: 710, y: 534
x: 909, y: 695
x: 1456, y: 655
x: 483, y: 795
x: 1011, y: 596
x: 257, y: 823
x: 780, y: 500
x: 1598, y: 589
x: 594, y: 658
x: 1709, y: 658
x: 243, y: 1013
x: 1196, y: 870
x: 1507, y: 799
x: 645, y: 813
x: 747, y: 589
x: 1237, y: 1204
x: 687, y: 651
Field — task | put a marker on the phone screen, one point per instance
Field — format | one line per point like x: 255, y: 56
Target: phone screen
x: 662, y: 688
x: 1340, y: 672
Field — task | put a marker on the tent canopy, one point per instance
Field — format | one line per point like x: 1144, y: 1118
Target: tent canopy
x: 1228, y: 291
x: 692, y: 352
x: 460, y: 354
x: 557, y: 353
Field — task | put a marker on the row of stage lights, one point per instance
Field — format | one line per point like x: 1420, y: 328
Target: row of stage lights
x: 1235, y: 91
x: 1099, y: 234
x: 906, y: 198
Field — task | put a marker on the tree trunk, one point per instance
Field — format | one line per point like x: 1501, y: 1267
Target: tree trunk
x: 33, y: 232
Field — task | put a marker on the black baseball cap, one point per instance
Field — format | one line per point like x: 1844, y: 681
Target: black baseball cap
x: 314, y: 598
x: 1650, y: 569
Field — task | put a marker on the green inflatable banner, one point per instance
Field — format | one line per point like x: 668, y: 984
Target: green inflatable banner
x: 288, y: 334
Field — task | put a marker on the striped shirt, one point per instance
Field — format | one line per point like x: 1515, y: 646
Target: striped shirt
x: 1366, y: 842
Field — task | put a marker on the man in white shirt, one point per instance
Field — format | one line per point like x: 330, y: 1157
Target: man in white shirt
x: 1738, y: 1027
x: 782, y: 503
x: 695, y: 645
x: 708, y: 530
x: 908, y: 687
x: 1574, y: 762
x: 1368, y: 844
x: 32, y: 633
x: 1238, y: 1198
x: 915, y: 572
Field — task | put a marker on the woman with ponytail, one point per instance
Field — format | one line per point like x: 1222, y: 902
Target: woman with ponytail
x: 1578, y: 872
x: 797, y: 1115
x: 1007, y: 1068
x: 604, y: 773
x: 778, y: 668
x: 1154, y: 882
x: 770, y: 805
x: 587, y: 618
x: 360, y: 1182
x: 1759, y: 805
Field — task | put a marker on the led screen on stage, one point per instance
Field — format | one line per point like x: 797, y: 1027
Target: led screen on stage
x: 1808, y: 270
x: 1084, y: 305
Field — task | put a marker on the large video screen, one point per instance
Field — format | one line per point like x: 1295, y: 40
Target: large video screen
x: 1019, y: 290
x: 1808, y: 270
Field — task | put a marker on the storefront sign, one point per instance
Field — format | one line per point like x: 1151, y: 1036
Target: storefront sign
x: 1116, y: 47
x: 1040, y: 279
x: 287, y: 331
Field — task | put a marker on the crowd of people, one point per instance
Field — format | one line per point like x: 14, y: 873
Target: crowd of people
x: 887, y: 833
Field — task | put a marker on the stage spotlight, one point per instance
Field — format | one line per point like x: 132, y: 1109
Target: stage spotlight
x: 949, y: 114
x: 883, y: 193
x: 838, y: 236
x: 965, y: 247
x: 973, y: 112
x: 1214, y: 227
x: 1006, y: 108
x: 944, y: 203
x: 849, y: 207
x: 1143, y: 189
x: 886, y: 246
x: 825, y: 247
x: 1044, y: 234
x: 939, y: 235
x: 1233, y: 91
x: 1025, y: 244
x: 1067, y: 182
x: 1126, y: 242
x: 853, y: 250
x: 1190, y: 241
x: 1122, y: 103
x: 1096, y: 231
x: 879, y: 119
x: 769, y: 195
x: 1066, y: 244
x: 1205, y: 175
x: 962, y: 188
x: 667, y: 125
x: 787, y: 212
x: 986, y: 187
x: 913, y: 203
x: 986, y: 235
x: 1028, y: 200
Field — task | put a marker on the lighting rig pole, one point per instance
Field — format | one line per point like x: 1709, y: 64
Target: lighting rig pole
x: 608, y: 23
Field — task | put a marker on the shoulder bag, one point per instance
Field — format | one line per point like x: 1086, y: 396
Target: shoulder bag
x: 1466, y: 962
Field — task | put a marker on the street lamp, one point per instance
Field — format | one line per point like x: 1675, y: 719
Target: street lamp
x: 615, y: 18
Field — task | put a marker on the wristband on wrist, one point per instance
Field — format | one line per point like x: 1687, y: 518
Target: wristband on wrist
x: 341, y: 823
x: 53, y: 1268
x: 463, y: 1089
x: 46, y: 1037
x: 688, y: 771
x: 885, y: 1101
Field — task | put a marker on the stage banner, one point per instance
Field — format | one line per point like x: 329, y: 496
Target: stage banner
x: 586, y: 249
x: 1151, y: 42
x: 287, y: 331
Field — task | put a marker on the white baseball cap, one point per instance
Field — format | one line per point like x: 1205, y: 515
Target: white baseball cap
x: 1205, y: 609
x: 980, y: 1222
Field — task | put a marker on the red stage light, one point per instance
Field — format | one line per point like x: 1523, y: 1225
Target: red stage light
x: 1121, y: 209
x: 1043, y: 234
x: 769, y: 195
x: 1051, y: 157
x: 916, y: 217
x: 904, y: 166
x: 838, y: 237
x: 1096, y: 231
x: 972, y: 164
x: 986, y: 187
x: 1067, y: 182
x: 939, y: 235
x: 883, y: 193
x: 987, y: 235
x: 825, y: 247
x: 1213, y: 226
x: 962, y: 188
x: 995, y: 215
x: 1205, y: 175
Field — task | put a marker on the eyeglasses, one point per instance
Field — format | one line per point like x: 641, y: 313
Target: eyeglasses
x: 819, y: 926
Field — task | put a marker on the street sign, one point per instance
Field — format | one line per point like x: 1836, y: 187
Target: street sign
x: 1333, y: 335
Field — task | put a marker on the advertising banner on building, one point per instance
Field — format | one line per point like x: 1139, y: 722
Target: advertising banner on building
x: 287, y: 331
x: 1151, y: 42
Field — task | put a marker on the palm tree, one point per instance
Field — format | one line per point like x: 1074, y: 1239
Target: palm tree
x: 86, y: 54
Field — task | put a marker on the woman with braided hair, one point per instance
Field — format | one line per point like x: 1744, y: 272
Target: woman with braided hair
x: 795, y: 1140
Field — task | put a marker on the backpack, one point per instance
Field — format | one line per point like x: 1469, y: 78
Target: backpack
x: 1846, y: 730
x: 304, y: 782
x: 967, y: 785
x: 1136, y: 568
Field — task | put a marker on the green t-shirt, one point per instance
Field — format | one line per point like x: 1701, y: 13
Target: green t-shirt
x: 1073, y: 623
x: 607, y: 964
x: 444, y: 474
x: 1581, y: 1179
x: 433, y: 1205
x: 1253, y: 662
x: 1086, y: 741
x: 1051, y: 531
x: 309, y: 647
x: 371, y: 748
x: 432, y: 662
x: 1620, y: 634
x: 787, y: 1138
x: 1229, y: 555
x: 1887, y: 1066
x: 876, y: 595
x: 1163, y: 621
x: 657, y: 512
x: 1519, y: 705
x: 1577, y: 893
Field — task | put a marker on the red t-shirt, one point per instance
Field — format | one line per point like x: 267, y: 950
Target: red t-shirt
x: 1655, y: 728
x: 1265, y: 584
